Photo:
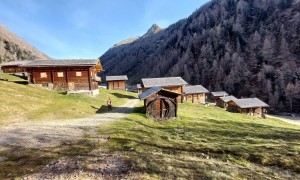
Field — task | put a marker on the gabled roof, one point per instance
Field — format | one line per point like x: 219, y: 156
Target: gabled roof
x: 154, y: 90
x: 195, y: 89
x: 250, y: 103
x: 163, y: 82
x: 139, y: 86
x: 117, y: 78
x: 228, y: 98
x: 219, y: 93
x: 15, y: 63
x: 62, y: 62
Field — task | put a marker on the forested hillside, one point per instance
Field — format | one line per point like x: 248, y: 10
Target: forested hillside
x: 246, y: 47
x: 13, y: 48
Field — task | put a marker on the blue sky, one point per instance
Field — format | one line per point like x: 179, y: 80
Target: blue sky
x: 88, y: 28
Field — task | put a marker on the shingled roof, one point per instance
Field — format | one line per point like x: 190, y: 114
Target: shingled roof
x: 117, y: 78
x: 152, y: 91
x: 139, y: 86
x: 163, y: 82
x: 62, y: 62
x: 15, y: 63
x: 219, y: 93
x: 228, y: 98
x: 195, y: 89
x: 250, y: 103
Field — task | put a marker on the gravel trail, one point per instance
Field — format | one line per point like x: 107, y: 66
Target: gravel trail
x: 43, y: 134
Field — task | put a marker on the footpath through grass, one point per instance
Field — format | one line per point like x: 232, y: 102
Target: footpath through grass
x: 207, y: 142
x: 27, y: 102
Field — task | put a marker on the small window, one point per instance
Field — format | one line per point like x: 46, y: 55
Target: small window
x: 78, y: 74
x: 60, y: 74
x: 43, y: 75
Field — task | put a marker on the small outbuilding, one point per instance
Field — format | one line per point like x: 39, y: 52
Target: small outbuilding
x: 116, y: 82
x: 160, y: 103
x: 223, y: 101
x: 249, y: 106
x: 216, y: 95
x: 195, y: 94
x: 14, y: 67
x: 174, y: 84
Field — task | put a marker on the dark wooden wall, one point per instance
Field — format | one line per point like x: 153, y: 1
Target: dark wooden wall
x: 116, y: 85
x: 177, y: 89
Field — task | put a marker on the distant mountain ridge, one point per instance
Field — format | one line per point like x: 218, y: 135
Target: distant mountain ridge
x: 151, y: 31
x: 249, y: 48
x: 13, y: 48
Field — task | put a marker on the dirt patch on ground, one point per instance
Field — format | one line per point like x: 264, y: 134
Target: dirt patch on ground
x: 51, y: 134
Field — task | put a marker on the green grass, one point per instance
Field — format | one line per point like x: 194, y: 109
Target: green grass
x: 27, y: 102
x: 207, y: 142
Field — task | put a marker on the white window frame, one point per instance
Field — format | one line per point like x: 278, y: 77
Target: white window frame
x: 43, y: 74
x: 60, y: 74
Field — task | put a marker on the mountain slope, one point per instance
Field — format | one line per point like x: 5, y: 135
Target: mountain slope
x: 13, y: 48
x: 246, y: 47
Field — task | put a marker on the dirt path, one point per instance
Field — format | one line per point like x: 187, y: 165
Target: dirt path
x: 288, y: 119
x: 55, y: 132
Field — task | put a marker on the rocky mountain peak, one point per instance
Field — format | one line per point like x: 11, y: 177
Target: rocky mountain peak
x: 153, y: 30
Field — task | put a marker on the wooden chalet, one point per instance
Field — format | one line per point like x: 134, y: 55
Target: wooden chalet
x: 174, y: 84
x: 160, y: 103
x: 139, y: 88
x: 14, y: 67
x: 249, y: 106
x: 195, y: 94
x: 116, y: 82
x: 223, y: 101
x: 216, y: 95
x: 74, y: 75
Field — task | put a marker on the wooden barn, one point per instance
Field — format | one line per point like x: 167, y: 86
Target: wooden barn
x: 195, y: 94
x: 223, y: 101
x: 116, y: 82
x: 216, y: 95
x: 249, y: 106
x: 160, y: 103
x: 74, y: 75
x: 14, y: 67
x: 174, y: 84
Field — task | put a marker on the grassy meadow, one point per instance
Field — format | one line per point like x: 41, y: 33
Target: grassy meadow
x: 21, y: 102
x: 207, y: 142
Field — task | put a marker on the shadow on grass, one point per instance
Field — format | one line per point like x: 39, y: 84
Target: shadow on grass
x: 118, y: 95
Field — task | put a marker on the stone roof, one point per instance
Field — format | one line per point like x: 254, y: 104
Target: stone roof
x: 219, y: 93
x: 228, y: 98
x: 195, y: 89
x: 250, y: 103
x: 152, y: 91
x: 163, y: 82
x: 15, y: 63
x: 117, y: 78
x: 62, y: 62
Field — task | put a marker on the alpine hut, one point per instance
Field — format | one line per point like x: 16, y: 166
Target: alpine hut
x: 223, y: 101
x: 216, y: 95
x: 73, y: 75
x: 195, y: 94
x: 174, y: 84
x: 160, y: 103
x: 116, y: 82
x: 14, y: 67
x: 249, y: 106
